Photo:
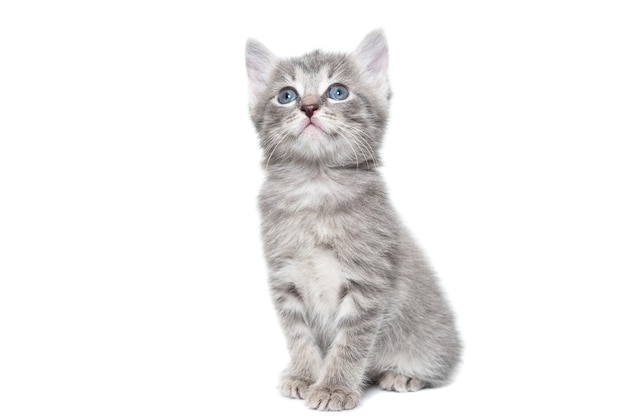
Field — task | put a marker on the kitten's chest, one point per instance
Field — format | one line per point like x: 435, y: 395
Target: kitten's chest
x: 319, y: 278
x: 303, y: 226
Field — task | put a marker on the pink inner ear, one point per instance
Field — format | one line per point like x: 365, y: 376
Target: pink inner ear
x: 372, y: 53
x: 378, y: 64
x: 259, y: 63
x: 257, y: 73
x: 255, y: 77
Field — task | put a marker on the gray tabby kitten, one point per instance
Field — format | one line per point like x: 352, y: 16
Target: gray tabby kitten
x: 357, y: 300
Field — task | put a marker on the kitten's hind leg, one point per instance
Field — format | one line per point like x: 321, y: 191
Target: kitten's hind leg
x: 392, y: 381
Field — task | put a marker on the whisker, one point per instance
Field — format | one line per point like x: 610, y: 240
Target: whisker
x: 282, y: 138
x: 365, y: 143
x: 356, y: 157
x: 359, y: 137
x: 356, y: 142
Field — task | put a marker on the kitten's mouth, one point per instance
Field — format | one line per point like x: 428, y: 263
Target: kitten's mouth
x: 312, y: 125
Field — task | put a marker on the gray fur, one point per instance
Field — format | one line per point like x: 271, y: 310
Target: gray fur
x: 356, y: 298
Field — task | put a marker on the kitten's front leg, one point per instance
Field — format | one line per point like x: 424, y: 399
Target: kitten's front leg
x: 343, y: 373
x: 305, y: 356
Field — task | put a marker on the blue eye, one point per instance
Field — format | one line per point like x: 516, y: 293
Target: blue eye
x: 287, y: 95
x: 337, y: 92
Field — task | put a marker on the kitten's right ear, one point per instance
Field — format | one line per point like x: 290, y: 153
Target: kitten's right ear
x: 259, y: 64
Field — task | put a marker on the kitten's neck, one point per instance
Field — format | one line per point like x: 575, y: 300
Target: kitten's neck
x: 309, y: 187
x: 314, y: 168
x: 368, y: 165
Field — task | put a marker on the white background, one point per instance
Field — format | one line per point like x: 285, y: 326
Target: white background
x: 131, y: 276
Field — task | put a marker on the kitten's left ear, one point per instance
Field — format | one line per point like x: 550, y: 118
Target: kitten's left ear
x: 259, y: 63
x: 373, y: 57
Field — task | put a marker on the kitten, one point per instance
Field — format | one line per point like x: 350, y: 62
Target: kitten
x: 357, y: 300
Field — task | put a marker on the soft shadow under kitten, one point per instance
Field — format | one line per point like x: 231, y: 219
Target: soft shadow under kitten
x: 356, y: 298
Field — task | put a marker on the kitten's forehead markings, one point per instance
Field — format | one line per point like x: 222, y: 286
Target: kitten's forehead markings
x: 313, y: 83
x: 323, y: 84
x: 288, y: 80
x: 337, y: 67
x: 304, y: 81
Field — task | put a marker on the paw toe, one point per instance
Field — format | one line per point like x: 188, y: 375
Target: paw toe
x: 400, y: 383
x: 295, y: 388
x: 332, y: 399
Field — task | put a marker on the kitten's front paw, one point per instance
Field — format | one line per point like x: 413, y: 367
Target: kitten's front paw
x: 394, y: 382
x: 294, y: 387
x: 331, y: 398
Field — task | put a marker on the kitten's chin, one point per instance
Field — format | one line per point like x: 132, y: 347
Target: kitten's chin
x: 312, y: 145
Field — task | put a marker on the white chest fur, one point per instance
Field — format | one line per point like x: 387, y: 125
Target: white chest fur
x: 319, y: 279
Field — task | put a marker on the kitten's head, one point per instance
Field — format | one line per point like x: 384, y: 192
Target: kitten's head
x: 322, y: 108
